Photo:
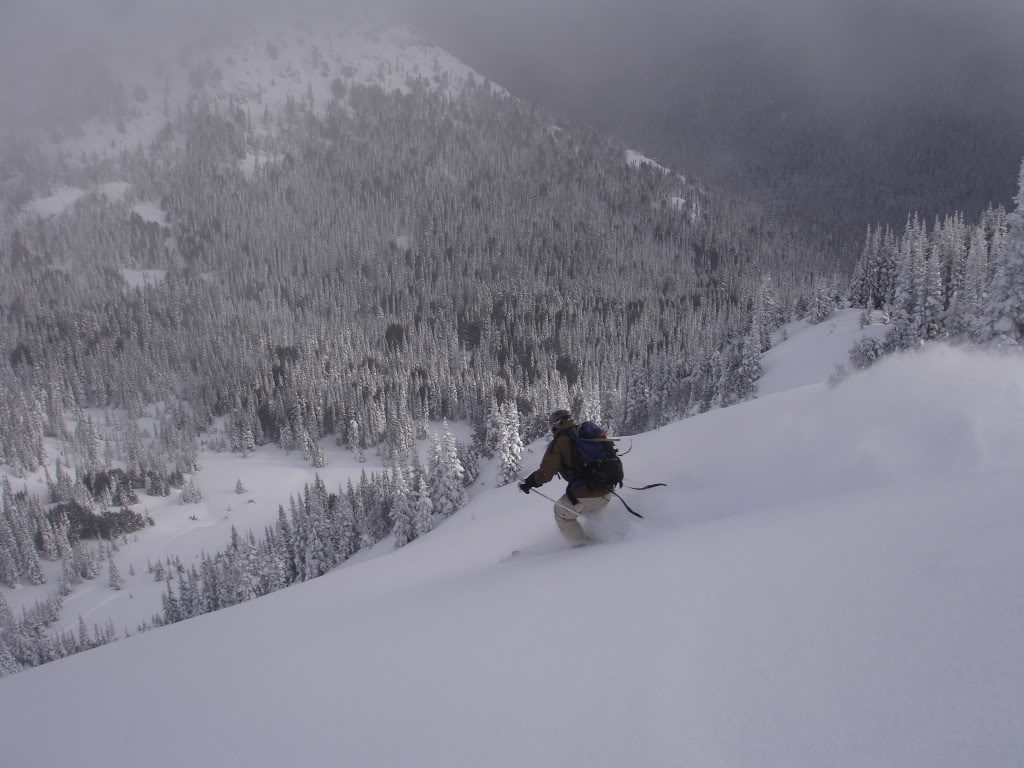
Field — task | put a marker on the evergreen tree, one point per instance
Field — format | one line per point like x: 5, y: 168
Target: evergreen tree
x: 510, y: 445
x: 8, y: 664
x: 470, y: 461
x: 115, y: 575
x: 1004, y: 314
x: 190, y: 493
x: 862, y: 286
x: 904, y: 331
x: 966, y: 303
x: 446, y: 476
x: 284, y: 532
x: 402, y: 510
x: 9, y: 572
x: 8, y: 631
x: 932, y: 295
x: 355, y: 440
x: 423, y: 509
x: 823, y: 305
x: 635, y: 402
x: 84, y: 640
x: 319, y: 557
x: 750, y: 365
x: 348, y: 534
x: 494, y: 425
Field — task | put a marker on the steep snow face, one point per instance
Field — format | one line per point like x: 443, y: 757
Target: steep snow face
x: 832, y: 577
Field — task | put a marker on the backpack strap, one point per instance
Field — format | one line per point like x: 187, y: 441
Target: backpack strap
x: 628, y: 508
x: 648, y: 487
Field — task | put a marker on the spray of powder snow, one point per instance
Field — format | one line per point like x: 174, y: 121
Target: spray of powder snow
x: 942, y: 411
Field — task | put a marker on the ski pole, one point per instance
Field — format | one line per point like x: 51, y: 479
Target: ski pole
x: 553, y: 501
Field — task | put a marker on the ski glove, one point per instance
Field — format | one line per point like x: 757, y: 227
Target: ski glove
x: 527, y: 484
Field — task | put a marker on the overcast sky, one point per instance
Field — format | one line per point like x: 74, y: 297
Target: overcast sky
x: 915, y: 95
x: 832, y: 48
x: 870, y: 44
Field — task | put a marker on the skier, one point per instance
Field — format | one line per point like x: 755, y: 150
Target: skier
x: 579, y: 499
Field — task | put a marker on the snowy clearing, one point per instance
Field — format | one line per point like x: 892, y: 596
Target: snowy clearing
x: 636, y: 160
x: 151, y: 212
x: 114, y: 191
x: 55, y: 204
x: 140, y: 278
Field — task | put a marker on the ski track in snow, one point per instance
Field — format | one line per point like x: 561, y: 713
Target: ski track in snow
x: 91, y: 611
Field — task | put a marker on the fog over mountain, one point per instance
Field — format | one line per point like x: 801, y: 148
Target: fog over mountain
x: 843, y: 111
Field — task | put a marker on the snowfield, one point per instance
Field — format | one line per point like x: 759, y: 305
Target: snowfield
x: 637, y: 160
x: 833, y: 577
x: 55, y: 204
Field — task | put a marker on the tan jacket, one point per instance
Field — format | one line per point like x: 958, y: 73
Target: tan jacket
x: 560, y: 459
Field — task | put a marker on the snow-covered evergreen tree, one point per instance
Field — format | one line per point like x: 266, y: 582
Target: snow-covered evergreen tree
x: 750, y: 365
x: 966, y: 303
x: 355, y: 440
x: 823, y: 304
x: 495, y: 423
x: 446, y: 474
x: 348, y: 528
x: 932, y: 298
x: 115, y: 575
x: 423, y: 508
x: 1003, y: 319
x: 510, y: 446
x: 402, y: 509
x: 190, y: 493
x: 9, y: 572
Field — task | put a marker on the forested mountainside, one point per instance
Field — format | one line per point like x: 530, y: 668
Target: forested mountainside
x: 354, y: 266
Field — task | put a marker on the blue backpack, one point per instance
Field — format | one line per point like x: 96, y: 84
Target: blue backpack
x: 600, y: 464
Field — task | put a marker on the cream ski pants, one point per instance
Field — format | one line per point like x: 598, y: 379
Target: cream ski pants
x: 567, y: 516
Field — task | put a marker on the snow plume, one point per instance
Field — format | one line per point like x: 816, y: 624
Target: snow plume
x: 946, y: 409
x: 941, y: 411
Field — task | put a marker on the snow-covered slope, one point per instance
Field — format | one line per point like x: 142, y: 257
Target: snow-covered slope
x: 833, y: 577
x: 269, y: 477
x: 811, y: 352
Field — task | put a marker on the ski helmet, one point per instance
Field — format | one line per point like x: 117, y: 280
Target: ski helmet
x: 559, y: 417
